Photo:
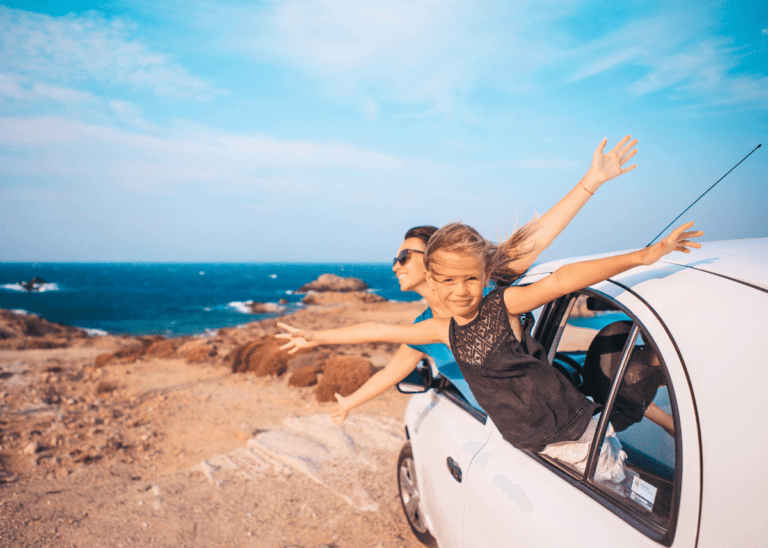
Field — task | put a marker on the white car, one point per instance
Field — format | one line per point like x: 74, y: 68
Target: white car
x: 677, y: 353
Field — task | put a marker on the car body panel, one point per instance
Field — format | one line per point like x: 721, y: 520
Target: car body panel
x: 439, y: 430
x: 728, y: 372
x: 707, y: 313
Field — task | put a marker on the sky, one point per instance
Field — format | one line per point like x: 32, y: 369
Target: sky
x: 321, y: 130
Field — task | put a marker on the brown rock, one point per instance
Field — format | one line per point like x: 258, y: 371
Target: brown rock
x: 332, y: 282
x: 335, y: 297
x: 106, y: 387
x: 102, y: 360
x: 343, y: 374
x: 14, y: 324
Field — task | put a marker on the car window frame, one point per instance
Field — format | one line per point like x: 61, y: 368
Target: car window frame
x: 548, y: 331
x: 443, y: 386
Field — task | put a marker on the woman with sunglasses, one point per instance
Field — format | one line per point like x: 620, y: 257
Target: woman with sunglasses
x: 409, y: 268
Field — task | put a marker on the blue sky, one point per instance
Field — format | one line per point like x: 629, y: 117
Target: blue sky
x: 304, y: 130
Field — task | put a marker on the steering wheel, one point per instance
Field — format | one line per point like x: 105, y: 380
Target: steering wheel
x: 574, y: 374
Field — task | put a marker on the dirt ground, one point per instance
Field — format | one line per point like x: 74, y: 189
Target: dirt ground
x: 171, y: 451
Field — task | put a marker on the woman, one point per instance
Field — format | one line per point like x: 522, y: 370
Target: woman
x: 411, y: 273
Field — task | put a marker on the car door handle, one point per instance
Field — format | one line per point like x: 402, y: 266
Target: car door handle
x: 454, y: 469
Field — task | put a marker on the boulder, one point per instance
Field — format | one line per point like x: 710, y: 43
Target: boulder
x: 335, y: 297
x: 332, y: 282
x: 17, y: 324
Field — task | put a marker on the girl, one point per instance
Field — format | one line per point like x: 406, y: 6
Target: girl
x: 409, y: 269
x: 530, y: 402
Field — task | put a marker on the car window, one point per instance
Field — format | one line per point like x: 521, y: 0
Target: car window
x: 642, y: 418
x: 591, y: 347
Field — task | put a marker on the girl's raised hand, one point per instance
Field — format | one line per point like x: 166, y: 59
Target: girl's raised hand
x: 610, y: 165
x: 299, y: 338
x: 678, y: 240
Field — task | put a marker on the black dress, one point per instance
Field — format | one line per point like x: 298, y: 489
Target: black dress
x: 531, y: 402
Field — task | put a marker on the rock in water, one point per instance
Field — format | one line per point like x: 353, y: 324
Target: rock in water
x: 332, y: 282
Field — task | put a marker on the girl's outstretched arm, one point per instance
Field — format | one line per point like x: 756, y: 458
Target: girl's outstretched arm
x: 571, y: 277
x: 549, y: 226
x: 430, y: 331
x: 396, y: 370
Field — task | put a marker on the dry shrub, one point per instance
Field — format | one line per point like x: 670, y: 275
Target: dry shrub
x: 305, y: 376
x: 197, y: 350
x: 201, y: 354
x: 129, y: 353
x: 162, y: 349
x: 263, y: 357
x: 343, y: 374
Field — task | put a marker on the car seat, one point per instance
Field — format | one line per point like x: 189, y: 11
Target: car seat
x: 641, y: 379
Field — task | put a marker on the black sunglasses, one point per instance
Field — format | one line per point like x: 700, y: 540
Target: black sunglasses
x: 404, y: 255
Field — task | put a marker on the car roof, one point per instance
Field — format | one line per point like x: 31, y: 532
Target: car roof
x: 745, y: 261
x: 742, y: 260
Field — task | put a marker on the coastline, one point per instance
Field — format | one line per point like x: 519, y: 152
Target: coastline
x: 126, y: 451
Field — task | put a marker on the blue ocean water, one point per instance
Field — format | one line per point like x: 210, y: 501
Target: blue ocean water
x: 170, y: 299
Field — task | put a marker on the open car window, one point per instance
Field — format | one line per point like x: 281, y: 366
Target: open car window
x: 608, y: 356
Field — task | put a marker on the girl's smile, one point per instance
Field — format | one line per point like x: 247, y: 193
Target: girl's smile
x: 458, y: 280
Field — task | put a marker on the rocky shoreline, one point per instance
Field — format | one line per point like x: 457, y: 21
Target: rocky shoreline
x: 82, y: 415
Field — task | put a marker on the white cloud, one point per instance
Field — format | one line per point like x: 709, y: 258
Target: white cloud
x: 683, y: 59
x: 90, y: 48
x: 182, y: 153
x: 430, y: 51
x: 61, y: 94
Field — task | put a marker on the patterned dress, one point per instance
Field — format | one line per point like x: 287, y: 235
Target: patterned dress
x: 531, y: 402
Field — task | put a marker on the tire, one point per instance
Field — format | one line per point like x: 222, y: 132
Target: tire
x: 410, y: 496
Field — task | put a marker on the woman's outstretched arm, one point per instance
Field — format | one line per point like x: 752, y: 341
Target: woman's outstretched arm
x: 430, y: 331
x: 396, y: 370
x: 571, y: 277
x: 549, y: 226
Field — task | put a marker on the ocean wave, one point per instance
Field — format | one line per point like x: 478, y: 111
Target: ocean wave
x: 247, y: 307
x: 273, y: 276
x: 93, y: 332
x: 42, y: 287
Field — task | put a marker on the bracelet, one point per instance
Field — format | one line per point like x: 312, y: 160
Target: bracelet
x: 585, y: 188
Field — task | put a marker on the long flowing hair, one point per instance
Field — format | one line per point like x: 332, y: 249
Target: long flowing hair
x: 496, y: 259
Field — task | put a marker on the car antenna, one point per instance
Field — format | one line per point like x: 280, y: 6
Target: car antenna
x: 700, y: 197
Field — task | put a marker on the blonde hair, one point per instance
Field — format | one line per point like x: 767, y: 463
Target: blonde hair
x: 495, y: 258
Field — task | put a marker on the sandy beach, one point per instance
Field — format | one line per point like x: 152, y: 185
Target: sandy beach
x: 137, y: 441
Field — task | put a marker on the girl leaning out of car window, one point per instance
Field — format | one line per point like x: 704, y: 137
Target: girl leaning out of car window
x: 531, y: 403
x: 409, y: 268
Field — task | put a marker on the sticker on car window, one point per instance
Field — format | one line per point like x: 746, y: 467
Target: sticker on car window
x: 643, y: 493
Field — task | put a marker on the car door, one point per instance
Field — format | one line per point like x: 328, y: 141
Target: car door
x: 446, y: 436
x: 518, y: 498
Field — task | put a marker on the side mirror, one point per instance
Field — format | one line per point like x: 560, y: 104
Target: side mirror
x: 419, y: 380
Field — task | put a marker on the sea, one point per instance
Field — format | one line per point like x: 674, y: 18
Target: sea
x: 171, y: 299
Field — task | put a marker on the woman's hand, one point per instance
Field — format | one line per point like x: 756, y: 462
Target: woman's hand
x: 299, y: 338
x: 342, y: 410
x: 607, y: 166
x: 678, y: 240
